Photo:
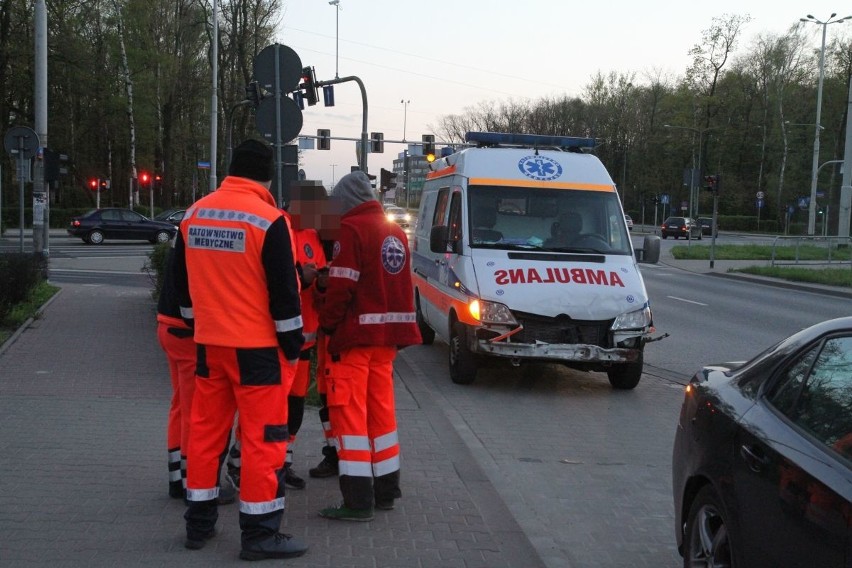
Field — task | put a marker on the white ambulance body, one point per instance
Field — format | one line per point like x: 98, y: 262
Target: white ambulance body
x: 523, y: 253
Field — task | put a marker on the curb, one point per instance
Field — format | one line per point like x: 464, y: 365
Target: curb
x: 8, y: 343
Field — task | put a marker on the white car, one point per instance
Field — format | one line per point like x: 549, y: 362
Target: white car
x: 629, y: 222
x: 399, y: 216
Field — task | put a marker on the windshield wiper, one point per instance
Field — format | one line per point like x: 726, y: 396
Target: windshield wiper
x: 506, y: 246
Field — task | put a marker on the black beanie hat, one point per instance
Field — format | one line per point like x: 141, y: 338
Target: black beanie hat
x: 253, y: 160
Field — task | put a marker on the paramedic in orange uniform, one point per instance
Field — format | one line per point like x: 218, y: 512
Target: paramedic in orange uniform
x: 304, y: 212
x: 367, y: 313
x: 237, y: 285
x: 175, y: 337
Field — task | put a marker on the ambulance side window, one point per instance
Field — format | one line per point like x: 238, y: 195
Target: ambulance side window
x: 455, y: 221
x: 441, y: 208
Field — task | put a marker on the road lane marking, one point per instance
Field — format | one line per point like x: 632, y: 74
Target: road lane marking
x: 685, y: 300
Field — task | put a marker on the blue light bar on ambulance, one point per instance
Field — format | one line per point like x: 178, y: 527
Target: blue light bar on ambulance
x: 528, y: 140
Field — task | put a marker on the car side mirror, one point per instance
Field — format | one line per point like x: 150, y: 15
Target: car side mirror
x: 650, y: 251
x: 439, y: 237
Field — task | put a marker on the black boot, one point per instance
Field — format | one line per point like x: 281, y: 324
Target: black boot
x: 328, y: 466
x: 261, y: 539
x: 201, y: 517
x: 293, y: 480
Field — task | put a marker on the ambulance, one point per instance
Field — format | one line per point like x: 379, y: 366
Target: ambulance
x: 521, y: 252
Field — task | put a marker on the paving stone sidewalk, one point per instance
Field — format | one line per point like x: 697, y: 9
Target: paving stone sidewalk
x: 84, y: 394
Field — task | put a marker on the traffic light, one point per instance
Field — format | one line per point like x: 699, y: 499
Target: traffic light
x: 377, y: 142
x: 429, y: 147
x: 254, y: 93
x: 711, y: 183
x: 309, y: 85
x: 323, y: 139
x: 93, y: 184
x: 144, y: 178
x: 104, y: 184
x: 386, y: 179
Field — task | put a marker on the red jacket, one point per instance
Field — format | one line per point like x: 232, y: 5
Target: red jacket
x: 369, y: 300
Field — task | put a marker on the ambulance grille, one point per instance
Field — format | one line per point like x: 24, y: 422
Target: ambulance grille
x: 562, y: 329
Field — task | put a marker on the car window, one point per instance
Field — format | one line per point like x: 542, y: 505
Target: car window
x: 823, y: 404
x: 131, y: 216
x: 110, y: 215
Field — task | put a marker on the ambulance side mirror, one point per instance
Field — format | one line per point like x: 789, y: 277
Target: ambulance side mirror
x: 439, y: 236
x: 650, y: 251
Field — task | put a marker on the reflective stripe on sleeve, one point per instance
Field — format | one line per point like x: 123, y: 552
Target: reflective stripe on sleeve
x: 310, y: 336
x: 261, y: 507
x: 186, y: 313
x: 390, y: 317
x: 174, y: 456
x: 355, y: 468
x: 355, y: 443
x: 389, y: 440
x: 282, y: 326
x: 341, y: 272
x: 385, y: 467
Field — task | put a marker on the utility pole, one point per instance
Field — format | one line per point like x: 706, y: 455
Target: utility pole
x: 41, y: 207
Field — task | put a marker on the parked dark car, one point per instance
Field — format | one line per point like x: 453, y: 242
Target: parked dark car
x: 706, y: 223
x: 762, y: 460
x: 113, y: 223
x: 677, y: 227
x: 173, y: 216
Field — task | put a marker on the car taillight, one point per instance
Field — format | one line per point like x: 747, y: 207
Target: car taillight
x: 75, y: 223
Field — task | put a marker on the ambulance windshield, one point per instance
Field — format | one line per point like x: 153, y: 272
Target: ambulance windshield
x: 558, y: 220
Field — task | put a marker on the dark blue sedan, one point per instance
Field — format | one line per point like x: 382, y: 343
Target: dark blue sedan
x: 762, y: 461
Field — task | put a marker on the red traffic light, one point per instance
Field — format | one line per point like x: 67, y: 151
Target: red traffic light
x: 144, y: 178
x: 93, y: 184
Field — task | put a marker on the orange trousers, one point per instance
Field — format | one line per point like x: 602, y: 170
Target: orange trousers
x: 180, y: 349
x: 361, y: 407
x: 254, y: 382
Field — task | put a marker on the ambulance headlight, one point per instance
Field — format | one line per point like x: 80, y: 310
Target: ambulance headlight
x: 491, y: 312
x: 640, y: 319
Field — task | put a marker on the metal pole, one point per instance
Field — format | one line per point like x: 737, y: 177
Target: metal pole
x: 278, y: 141
x: 815, y: 164
x: 41, y: 211
x: 214, y: 99
x: 845, y: 211
x: 404, y: 117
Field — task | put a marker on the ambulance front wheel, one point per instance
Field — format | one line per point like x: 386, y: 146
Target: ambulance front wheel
x: 463, y: 362
x: 626, y: 375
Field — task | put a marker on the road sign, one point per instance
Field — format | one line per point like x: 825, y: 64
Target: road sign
x: 684, y: 205
x: 291, y: 119
x: 760, y: 195
x: 21, y: 138
x: 664, y: 199
x: 759, y: 204
x: 289, y: 68
x: 203, y: 165
x: 804, y: 202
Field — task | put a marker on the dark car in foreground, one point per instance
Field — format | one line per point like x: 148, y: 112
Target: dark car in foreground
x: 677, y: 227
x: 762, y: 460
x: 114, y: 223
x: 706, y: 224
x: 173, y: 216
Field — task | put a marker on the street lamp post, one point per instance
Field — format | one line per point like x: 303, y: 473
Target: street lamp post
x: 404, y: 117
x: 336, y: 4
x: 333, y: 179
x: 700, y: 132
x: 817, y: 127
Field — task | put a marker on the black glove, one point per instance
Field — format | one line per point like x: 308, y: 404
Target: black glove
x: 291, y: 343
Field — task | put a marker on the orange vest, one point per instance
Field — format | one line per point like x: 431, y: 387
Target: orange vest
x: 309, y: 249
x: 224, y: 234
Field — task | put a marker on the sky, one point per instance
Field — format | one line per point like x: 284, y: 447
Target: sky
x: 444, y: 56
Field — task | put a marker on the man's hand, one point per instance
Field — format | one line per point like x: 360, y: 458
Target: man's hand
x: 322, y: 278
x: 309, y: 273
